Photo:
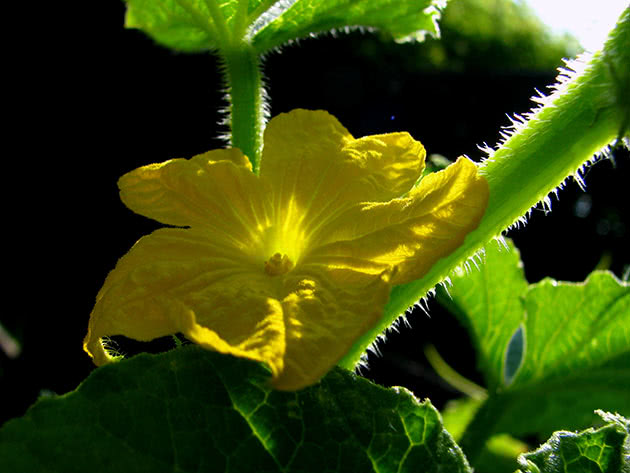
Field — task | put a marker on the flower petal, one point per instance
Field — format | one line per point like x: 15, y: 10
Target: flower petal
x: 177, y: 280
x: 323, y: 320
x: 410, y: 234
x: 317, y: 169
x: 238, y: 316
x: 215, y: 190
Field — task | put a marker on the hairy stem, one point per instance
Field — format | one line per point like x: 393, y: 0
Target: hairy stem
x: 581, y: 118
x: 245, y: 90
x: 243, y: 77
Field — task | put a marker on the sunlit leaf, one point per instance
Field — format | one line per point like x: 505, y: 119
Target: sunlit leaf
x: 577, y: 355
x: 203, y: 25
x: 184, y: 26
x: 401, y: 19
x: 192, y: 25
x: 603, y: 450
x: 552, y: 352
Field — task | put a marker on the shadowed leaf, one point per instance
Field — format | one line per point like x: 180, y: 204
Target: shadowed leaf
x: 192, y: 410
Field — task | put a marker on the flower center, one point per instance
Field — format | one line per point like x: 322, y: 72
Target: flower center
x: 278, y: 264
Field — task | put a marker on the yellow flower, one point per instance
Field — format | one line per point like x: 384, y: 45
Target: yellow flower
x: 292, y: 266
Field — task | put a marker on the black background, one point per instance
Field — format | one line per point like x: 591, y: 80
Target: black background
x: 99, y: 100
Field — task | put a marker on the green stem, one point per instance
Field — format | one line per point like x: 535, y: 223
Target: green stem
x: 245, y: 89
x: 452, y: 377
x: 575, y: 123
x: 243, y: 78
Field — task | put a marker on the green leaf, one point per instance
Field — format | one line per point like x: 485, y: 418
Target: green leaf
x: 552, y: 352
x: 557, y: 350
x: 573, y: 327
x: 194, y: 25
x: 183, y: 25
x: 203, y: 25
x: 404, y: 20
x: 192, y: 410
x: 577, y: 355
x: 605, y: 450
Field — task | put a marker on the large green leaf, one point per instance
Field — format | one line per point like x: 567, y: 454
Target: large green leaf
x: 605, y: 450
x: 576, y: 345
x: 191, y: 410
x: 202, y: 25
x: 553, y: 352
x: 402, y: 19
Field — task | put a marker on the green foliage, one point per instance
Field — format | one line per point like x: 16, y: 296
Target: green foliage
x: 403, y: 20
x: 568, y: 333
x: 202, y: 25
x: 477, y: 36
x: 604, y: 450
x: 182, y: 25
x: 194, y: 410
x: 500, y: 34
x: 551, y: 353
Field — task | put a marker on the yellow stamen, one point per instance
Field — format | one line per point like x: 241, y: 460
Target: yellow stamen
x: 278, y: 264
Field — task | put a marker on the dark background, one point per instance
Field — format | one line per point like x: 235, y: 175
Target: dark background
x: 102, y: 100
